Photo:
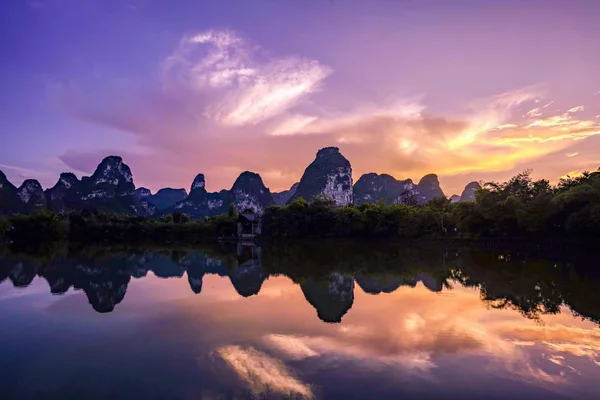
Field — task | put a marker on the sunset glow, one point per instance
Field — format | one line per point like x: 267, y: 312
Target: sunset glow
x: 468, y: 90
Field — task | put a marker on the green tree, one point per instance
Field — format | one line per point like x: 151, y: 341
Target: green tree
x: 232, y: 211
x: 167, y: 219
x: 180, y: 218
x: 4, y: 225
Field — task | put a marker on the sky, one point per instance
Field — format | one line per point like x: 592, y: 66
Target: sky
x: 467, y: 89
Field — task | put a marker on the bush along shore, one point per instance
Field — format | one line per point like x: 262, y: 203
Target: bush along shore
x: 517, y: 209
x: 100, y: 227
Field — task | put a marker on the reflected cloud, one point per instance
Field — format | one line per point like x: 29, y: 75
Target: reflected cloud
x: 332, y: 347
x: 423, y: 334
x: 561, y: 340
x: 294, y: 347
x: 262, y: 372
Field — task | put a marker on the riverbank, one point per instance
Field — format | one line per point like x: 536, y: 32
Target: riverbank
x: 45, y: 230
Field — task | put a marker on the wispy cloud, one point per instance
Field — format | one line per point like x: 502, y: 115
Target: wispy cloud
x: 548, y: 104
x: 575, y: 109
x: 23, y: 172
x: 293, y: 125
x: 246, y: 87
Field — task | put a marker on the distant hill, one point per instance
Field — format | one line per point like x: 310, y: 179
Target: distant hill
x: 111, y: 187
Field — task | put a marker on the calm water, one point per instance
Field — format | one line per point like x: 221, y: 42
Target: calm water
x: 337, y: 321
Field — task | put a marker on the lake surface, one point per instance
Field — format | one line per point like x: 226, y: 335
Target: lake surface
x: 318, y: 321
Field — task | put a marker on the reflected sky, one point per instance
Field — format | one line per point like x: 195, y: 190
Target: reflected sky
x: 164, y: 341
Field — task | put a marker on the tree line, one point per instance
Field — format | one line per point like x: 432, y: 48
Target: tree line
x: 518, y: 208
x: 109, y: 227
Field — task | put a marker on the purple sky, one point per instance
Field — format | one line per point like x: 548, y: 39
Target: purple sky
x: 470, y: 90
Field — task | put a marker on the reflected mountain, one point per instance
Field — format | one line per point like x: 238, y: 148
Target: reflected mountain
x: 375, y: 285
x: 198, y: 265
x: 434, y: 284
x: 104, y: 285
x: 247, y: 278
x: 387, y: 284
x: 107, y: 289
x: 325, y: 274
x: 332, y: 297
x: 197, y: 270
x: 22, y: 274
x: 163, y: 267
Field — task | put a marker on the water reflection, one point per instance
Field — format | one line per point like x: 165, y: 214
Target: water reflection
x: 401, y: 322
x: 326, y: 275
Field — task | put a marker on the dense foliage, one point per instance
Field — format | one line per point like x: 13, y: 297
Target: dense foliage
x: 95, y: 226
x: 321, y: 218
x: 520, y: 207
x: 524, y: 207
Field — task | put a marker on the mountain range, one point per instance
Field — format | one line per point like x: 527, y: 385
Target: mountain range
x: 111, y: 187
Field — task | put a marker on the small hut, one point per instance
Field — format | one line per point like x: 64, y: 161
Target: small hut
x: 248, y: 225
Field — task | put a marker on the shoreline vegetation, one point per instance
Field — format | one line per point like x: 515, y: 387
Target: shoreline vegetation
x: 518, y: 210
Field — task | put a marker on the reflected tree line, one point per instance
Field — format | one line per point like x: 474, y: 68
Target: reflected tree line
x: 326, y: 273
